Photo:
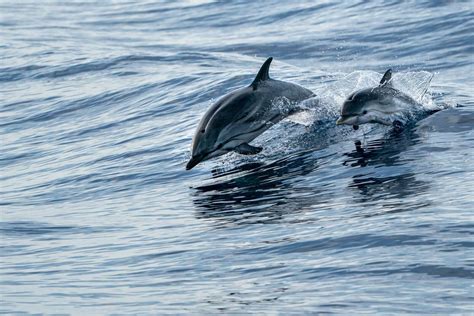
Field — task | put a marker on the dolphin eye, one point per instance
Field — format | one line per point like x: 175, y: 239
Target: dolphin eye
x: 219, y: 146
x: 365, y: 112
x: 202, y: 131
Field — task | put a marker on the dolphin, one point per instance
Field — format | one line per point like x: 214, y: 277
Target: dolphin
x: 382, y: 104
x: 240, y: 116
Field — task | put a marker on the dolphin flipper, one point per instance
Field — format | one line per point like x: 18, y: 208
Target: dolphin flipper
x: 246, y: 149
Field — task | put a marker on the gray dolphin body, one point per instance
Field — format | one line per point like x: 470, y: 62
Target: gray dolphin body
x: 242, y: 115
x: 383, y: 104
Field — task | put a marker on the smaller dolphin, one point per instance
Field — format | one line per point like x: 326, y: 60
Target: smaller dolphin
x: 240, y: 116
x: 383, y: 104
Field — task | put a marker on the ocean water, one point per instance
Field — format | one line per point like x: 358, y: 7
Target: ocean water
x: 98, y: 105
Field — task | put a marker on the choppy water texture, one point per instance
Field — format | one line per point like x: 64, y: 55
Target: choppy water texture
x: 99, y: 102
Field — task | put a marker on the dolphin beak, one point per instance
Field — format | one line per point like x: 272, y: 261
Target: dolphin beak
x: 193, y: 162
x: 340, y: 121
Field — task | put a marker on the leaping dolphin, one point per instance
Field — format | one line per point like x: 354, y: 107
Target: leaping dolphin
x: 383, y: 104
x: 240, y: 116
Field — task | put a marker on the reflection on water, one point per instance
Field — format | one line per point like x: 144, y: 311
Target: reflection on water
x: 383, y: 151
x: 261, y: 192
x: 389, y: 192
x: 373, y: 188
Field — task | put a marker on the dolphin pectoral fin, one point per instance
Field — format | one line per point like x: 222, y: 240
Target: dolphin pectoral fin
x: 246, y: 149
x: 262, y: 73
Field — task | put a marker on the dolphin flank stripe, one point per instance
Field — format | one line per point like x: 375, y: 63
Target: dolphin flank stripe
x: 256, y: 130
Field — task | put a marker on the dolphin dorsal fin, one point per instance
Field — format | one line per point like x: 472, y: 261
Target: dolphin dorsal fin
x: 262, y: 73
x: 386, y: 79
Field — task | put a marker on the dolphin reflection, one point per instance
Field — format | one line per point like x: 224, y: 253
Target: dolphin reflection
x: 384, y: 180
x: 259, y: 193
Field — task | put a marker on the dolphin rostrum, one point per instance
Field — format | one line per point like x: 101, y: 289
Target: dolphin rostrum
x: 242, y: 115
x: 383, y: 104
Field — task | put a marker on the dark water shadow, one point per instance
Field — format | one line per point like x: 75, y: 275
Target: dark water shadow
x: 385, y: 181
x: 258, y: 192
x: 382, y: 151
x: 452, y: 120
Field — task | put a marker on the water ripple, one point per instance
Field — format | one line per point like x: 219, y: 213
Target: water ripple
x: 99, y: 102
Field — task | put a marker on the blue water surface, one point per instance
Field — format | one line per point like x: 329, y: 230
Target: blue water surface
x: 98, y: 105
